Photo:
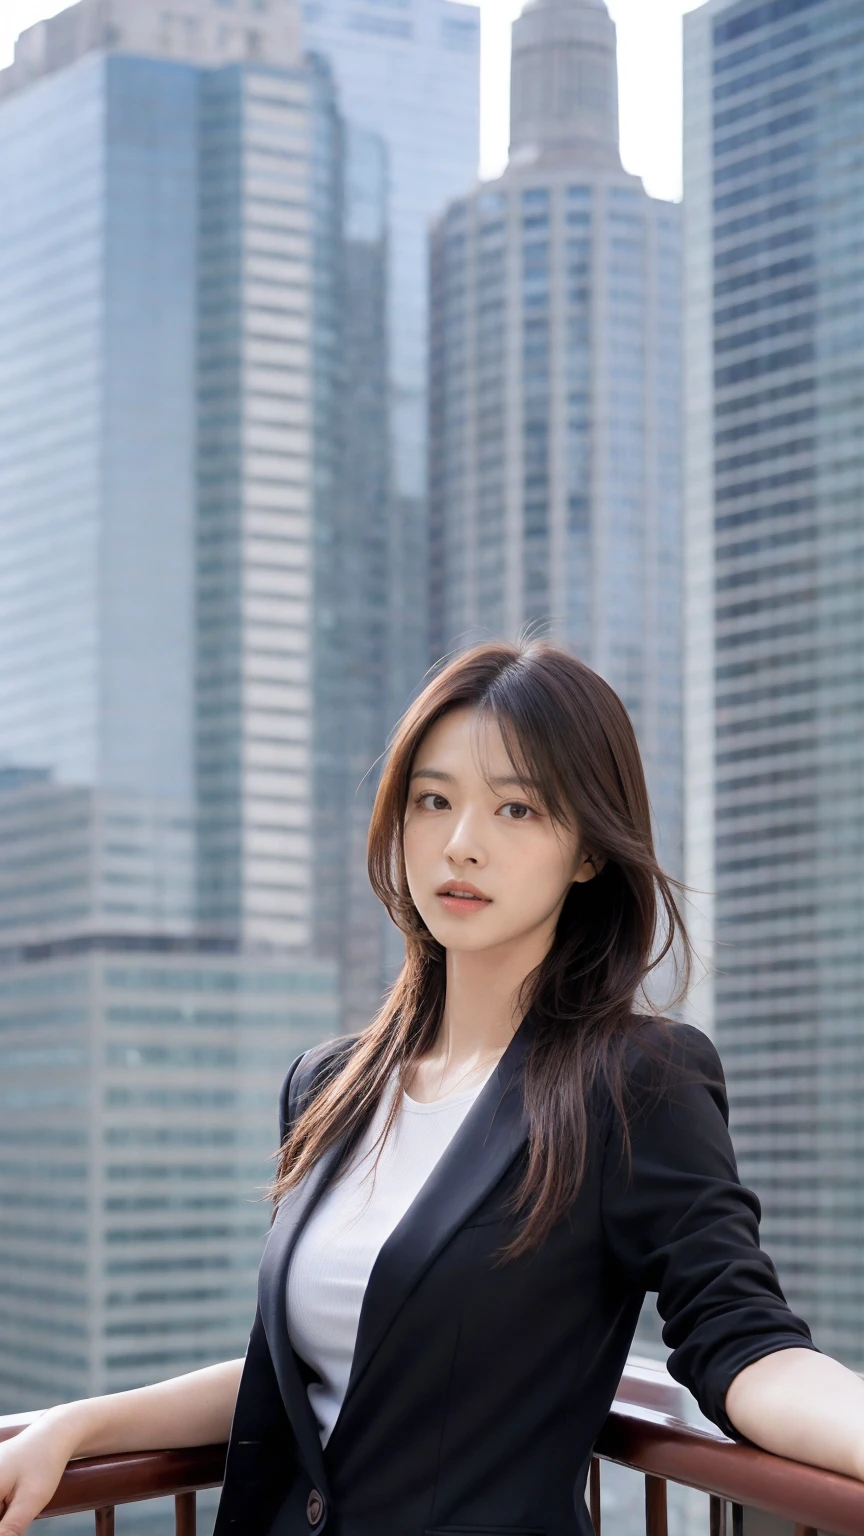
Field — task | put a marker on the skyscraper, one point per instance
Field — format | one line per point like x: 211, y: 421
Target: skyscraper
x: 555, y: 393
x: 410, y: 72
x: 198, y: 562
x: 774, y: 196
x: 193, y: 267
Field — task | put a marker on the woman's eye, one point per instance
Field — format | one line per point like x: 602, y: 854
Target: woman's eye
x: 516, y: 810
x: 520, y: 811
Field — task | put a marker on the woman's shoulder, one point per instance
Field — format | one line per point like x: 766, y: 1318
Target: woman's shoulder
x: 656, y: 1039
x: 665, y: 1059
x: 309, y: 1073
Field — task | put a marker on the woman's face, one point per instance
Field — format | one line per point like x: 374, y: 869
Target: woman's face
x: 486, y: 830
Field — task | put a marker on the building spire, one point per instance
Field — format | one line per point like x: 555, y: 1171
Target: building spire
x: 564, y: 82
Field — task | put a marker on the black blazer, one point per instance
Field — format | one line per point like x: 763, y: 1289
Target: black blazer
x: 476, y: 1392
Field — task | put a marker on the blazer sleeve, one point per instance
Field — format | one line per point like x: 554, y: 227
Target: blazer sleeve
x: 679, y: 1221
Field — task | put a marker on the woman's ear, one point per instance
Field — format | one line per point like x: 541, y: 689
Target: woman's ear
x: 591, y: 865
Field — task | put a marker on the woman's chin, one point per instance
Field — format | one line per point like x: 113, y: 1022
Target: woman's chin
x: 457, y: 938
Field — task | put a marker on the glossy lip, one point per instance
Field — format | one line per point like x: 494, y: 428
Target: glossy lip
x: 462, y: 885
x: 463, y: 904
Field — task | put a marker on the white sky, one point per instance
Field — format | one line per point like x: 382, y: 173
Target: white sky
x: 649, y: 73
x: 649, y: 65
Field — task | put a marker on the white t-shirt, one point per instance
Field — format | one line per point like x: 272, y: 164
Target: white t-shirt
x: 334, y: 1255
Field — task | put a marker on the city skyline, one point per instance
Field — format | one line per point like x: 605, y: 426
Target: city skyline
x: 649, y: 49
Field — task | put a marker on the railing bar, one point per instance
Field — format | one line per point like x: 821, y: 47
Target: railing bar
x: 594, y: 1493
x: 655, y: 1506
x: 806, y: 1530
x: 737, y: 1520
x: 717, y: 1523
x: 105, y: 1520
x: 185, y: 1514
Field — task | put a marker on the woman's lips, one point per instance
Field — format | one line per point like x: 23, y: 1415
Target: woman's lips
x: 463, y: 903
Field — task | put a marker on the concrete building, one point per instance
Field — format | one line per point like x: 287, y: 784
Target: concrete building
x: 774, y: 198
x: 555, y: 394
x: 193, y: 264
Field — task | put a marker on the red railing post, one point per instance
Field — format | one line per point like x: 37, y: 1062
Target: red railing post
x: 105, y: 1520
x: 184, y: 1514
x: 655, y: 1506
x: 717, y: 1519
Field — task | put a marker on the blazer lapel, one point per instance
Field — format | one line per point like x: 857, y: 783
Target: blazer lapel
x: 293, y: 1212
x: 490, y: 1136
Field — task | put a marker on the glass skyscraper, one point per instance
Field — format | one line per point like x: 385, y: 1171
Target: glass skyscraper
x: 196, y: 463
x: 555, y: 394
x: 409, y: 70
x: 98, y: 403
x: 192, y: 290
x: 774, y: 199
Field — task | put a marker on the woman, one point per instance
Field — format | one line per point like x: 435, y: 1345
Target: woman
x: 473, y: 1195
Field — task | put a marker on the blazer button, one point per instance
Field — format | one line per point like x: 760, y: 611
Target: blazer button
x: 314, y: 1507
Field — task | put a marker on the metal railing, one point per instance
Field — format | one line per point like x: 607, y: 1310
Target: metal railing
x: 645, y: 1431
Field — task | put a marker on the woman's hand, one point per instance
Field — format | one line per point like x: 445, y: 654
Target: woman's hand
x: 31, y: 1466
x: 195, y: 1409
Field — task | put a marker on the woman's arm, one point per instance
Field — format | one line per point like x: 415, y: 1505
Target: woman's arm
x: 678, y: 1221
x: 803, y: 1405
x: 186, y: 1410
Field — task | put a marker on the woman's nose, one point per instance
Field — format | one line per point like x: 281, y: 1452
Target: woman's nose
x: 464, y: 844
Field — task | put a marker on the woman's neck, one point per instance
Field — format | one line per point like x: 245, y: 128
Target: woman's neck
x: 481, y: 1015
x: 482, y: 1008
x: 481, y: 1005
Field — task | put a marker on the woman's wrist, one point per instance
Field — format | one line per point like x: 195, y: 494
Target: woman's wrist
x: 71, y: 1425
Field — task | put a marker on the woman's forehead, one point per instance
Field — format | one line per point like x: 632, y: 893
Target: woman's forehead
x: 468, y: 741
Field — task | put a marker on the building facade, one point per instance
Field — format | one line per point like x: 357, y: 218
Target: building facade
x: 196, y: 568
x: 138, y: 1088
x: 774, y: 191
x: 193, y: 267
x: 409, y: 72
x: 555, y: 394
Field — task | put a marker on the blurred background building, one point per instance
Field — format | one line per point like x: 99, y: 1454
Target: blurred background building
x: 554, y: 458
x: 410, y: 73
x: 194, y: 266
x: 774, y: 203
x: 137, y: 1120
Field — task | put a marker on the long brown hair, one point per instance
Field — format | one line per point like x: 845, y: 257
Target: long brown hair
x: 567, y: 731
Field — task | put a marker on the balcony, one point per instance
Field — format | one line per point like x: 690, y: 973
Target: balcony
x: 750, y: 1493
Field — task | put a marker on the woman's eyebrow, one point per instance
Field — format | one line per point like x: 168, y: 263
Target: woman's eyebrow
x: 506, y: 781
x: 500, y: 781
